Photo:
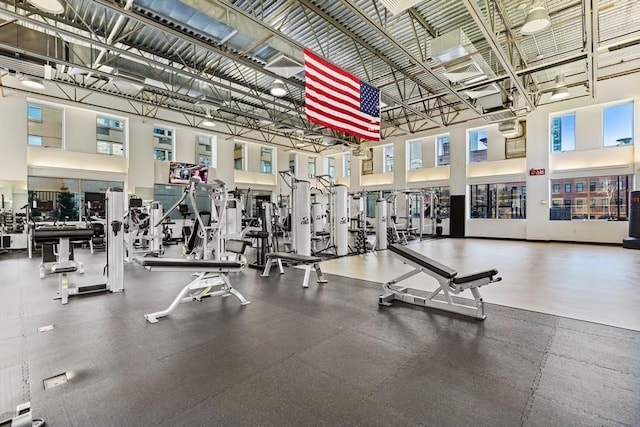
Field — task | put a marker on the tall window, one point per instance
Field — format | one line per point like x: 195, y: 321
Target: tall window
x: 443, y: 147
x: 347, y: 164
x: 415, y: 155
x: 607, y: 198
x: 44, y: 125
x: 499, y: 201
x: 388, y: 158
x: 331, y: 167
x: 205, y: 146
x: 478, y: 145
x: 563, y: 133
x: 109, y: 136
x: 162, y: 144
x: 311, y: 168
x: 292, y: 162
x: 618, y: 125
x: 239, y: 162
x: 266, y: 160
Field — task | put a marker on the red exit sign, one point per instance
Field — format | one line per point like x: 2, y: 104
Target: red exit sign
x: 534, y: 172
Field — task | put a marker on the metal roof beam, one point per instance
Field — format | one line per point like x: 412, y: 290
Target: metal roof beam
x: 590, y: 25
x: 477, y: 16
x: 389, y: 39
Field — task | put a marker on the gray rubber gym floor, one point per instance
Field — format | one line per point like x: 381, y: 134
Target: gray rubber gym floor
x: 327, y: 355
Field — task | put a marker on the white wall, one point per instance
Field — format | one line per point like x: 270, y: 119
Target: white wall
x: 140, y: 171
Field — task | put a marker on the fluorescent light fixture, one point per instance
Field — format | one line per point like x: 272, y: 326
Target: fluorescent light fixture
x: 54, y: 7
x: 278, y: 89
x: 560, y: 91
x: 31, y: 83
x: 537, y: 19
x: 208, y: 123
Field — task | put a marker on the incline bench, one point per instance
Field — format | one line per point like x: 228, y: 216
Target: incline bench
x: 448, y: 280
x: 306, y: 260
x: 211, y: 277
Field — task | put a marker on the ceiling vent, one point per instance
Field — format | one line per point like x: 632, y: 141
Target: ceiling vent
x: 451, y: 46
x: 399, y: 6
x: 284, y: 66
x: 499, y: 115
x: 467, y: 72
x: 483, y: 91
x: 510, y: 128
x: 362, y: 153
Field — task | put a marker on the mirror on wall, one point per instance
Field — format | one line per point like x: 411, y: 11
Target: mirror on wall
x: 67, y: 199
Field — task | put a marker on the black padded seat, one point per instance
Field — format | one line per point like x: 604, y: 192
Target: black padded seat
x: 423, y: 261
x: 475, y: 276
x: 307, y: 259
x: 196, y: 264
x: 53, y: 235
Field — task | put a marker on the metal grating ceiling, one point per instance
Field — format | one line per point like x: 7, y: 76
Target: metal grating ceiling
x: 221, y: 49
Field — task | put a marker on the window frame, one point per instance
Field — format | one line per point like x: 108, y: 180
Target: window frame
x: 169, y: 132
x: 562, y: 147
x: 123, y: 145
x: 419, y: 162
x: 473, y: 155
x: 40, y: 121
x: 631, y: 124
x: 266, y: 166
x: 440, y: 148
x: 388, y: 159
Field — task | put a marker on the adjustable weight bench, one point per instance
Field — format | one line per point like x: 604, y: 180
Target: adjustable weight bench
x: 448, y: 280
x: 306, y: 260
x: 211, y: 280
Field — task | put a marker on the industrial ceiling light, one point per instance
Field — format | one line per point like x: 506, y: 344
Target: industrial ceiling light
x: 31, y: 83
x: 54, y: 7
x: 560, y: 91
x: 537, y: 19
x: 208, y: 123
x: 278, y: 89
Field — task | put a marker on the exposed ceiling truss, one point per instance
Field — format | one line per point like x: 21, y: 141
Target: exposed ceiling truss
x: 208, y: 59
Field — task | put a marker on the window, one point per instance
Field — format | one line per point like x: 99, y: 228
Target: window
x: 478, y: 145
x: 110, y: 136
x: 499, y: 201
x: 292, y: 162
x: 556, y: 188
x: 238, y: 157
x: 162, y: 144
x: 443, y: 147
x: 311, y: 167
x: 347, y: 164
x: 266, y: 158
x: 415, y: 155
x: 331, y: 167
x: 34, y: 113
x: 563, y: 133
x: 607, y: 196
x: 44, y: 125
x: 205, y: 146
x: 388, y: 158
x: 618, y: 125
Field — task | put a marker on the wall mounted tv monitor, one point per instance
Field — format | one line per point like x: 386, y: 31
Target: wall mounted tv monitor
x: 181, y: 173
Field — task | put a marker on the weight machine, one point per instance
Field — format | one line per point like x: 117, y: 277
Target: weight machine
x: 143, y: 229
x: 205, y: 238
x: 338, y: 216
x: 300, y: 222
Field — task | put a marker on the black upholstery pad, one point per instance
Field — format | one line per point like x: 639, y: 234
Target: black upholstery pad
x: 197, y: 264
x: 423, y: 261
x: 308, y: 259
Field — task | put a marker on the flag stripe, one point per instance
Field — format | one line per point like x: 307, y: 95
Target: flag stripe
x: 330, y: 103
x: 338, y: 116
x: 334, y: 99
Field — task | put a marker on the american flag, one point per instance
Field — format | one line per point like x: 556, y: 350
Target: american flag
x: 337, y: 100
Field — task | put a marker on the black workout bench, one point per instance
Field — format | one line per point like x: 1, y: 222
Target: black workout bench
x: 306, y: 260
x: 448, y: 280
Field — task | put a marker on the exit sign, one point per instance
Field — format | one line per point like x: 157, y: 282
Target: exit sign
x: 534, y: 172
